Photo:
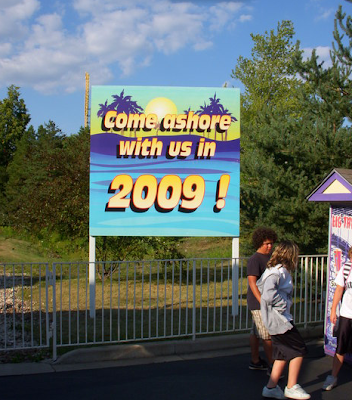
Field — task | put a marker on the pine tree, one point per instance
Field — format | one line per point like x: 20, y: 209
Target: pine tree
x: 292, y: 135
x: 14, y: 119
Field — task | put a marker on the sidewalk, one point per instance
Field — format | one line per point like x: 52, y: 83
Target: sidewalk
x: 204, y: 375
x: 145, y: 353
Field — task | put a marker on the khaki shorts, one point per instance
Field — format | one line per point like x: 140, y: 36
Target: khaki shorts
x: 258, y: 328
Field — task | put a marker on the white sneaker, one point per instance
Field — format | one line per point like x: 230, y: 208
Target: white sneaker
x: 273, y: 393
x: 330, y: 382
x: 296, y: 392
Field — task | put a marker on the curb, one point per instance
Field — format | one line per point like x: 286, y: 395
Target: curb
x: 167, y: 348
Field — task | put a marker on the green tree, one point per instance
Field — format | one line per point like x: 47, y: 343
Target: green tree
x: 13, y: 122
x: 31, y: 192
x: 290, y: 130
x: 269, y: 76
x: 330, y: 88
x: 19, y: 171
x: 14, y: 119
x: 49, y: 181
x: 270, y: 85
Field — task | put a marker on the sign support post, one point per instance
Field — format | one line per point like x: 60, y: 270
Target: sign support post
x: 235, y: 265
x: 92, y: 276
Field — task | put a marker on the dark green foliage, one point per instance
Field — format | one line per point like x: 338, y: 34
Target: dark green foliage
x: 137, y: 248
x: 13, y: 122
x: 48, y: 182
x: 292, y: 136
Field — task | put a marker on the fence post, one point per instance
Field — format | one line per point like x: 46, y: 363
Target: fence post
x: 54, y: 313
x: 47, y: 322
x: 194, y: 302
x: 306, y: 293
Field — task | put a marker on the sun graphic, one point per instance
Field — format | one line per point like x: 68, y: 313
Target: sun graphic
x: 161, y: 106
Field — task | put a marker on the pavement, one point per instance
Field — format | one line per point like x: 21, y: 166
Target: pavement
x: 104, y: 356
x: 207, y: 368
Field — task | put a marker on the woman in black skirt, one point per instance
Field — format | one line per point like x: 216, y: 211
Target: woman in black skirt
x: 276, y: 288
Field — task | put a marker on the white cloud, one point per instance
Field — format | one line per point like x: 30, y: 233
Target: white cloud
x: 5, y: 49
x: 40, y: 51
x: 323, y: 52
x: 13, y: 16
x: 324, y: 14
x: 224, y: 14
x: 245, y: 18
x: 48, y: 32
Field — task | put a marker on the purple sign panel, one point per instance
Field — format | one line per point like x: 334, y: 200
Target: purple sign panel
x: 340, y: 242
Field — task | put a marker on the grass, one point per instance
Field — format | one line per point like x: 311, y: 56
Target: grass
x: 204, y: 247
x: 13, y: 249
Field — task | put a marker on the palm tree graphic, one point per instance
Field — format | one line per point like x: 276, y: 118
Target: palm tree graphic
x: 215, y: 108
x: 187, y: 112
x: 121, y: 104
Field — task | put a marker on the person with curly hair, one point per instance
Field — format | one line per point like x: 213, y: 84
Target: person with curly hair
x: 263, y: 240
x: 276, y: 288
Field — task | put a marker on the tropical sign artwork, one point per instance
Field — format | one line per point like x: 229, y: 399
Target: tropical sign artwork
x: 340, y: 242
x: 164, y: 161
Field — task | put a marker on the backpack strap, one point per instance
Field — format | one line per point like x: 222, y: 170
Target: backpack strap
x: 346, y: 271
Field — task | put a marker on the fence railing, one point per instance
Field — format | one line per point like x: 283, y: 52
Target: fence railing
x: 139, y: 300
x: 24, y: 306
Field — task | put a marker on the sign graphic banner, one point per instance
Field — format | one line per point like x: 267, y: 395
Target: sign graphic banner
x: 164, y: 161
x: 340, y: 242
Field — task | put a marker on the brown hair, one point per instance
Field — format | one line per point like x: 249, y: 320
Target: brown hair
x: 260, y: 235
x: 285, y: 253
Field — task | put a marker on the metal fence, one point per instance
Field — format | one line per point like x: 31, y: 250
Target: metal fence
x: 139, y: 300
x: 24, y: 306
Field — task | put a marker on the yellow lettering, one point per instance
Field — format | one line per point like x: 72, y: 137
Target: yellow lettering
x: 214, y: 120
x: 136, y: 121
x: 225, y: 122
x: 145, y: 147
x: 121, y: 121
x: 186, y: 149
x: 152, y: 121
x: 204, y: 122
x: 192, y: 120
x: 109, y: 119
x: 181, y: 121
x: 169, y: 121
x: 209, y: 149
x: 156, y: 147
x: 126, y: 148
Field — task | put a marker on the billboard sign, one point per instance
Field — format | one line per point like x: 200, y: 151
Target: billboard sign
x: 164, y: 161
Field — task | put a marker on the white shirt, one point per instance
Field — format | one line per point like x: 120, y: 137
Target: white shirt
x: 346, y: 306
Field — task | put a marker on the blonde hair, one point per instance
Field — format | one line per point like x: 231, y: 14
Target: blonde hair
x: 350, y: 253
x: 285, y: 253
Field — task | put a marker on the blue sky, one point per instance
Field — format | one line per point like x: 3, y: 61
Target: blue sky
x: 47, y: 46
